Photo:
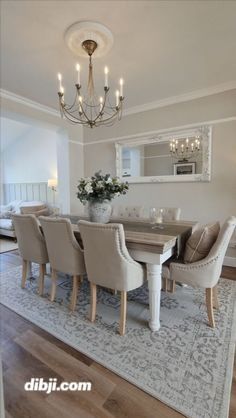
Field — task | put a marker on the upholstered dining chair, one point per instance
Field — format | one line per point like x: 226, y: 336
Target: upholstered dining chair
x: 109, y: 264
x: 32, y: 246
x: 127, y: 212
x: 65, y: 254
x: 204, y: 273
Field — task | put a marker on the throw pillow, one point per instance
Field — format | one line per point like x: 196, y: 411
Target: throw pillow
x: 200, y: 243
x: 42, y: 212
x: 25, y: 210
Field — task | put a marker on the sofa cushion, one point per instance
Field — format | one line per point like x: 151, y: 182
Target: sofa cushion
x: 6, y: 208
x: 16, y: 205
x: 32, y: 207
x: 42, y: 212
x: 200, y: 243
x: 6, y: 215
x: 6, y: 224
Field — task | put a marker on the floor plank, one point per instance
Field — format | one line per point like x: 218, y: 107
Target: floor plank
x: 29, y: 351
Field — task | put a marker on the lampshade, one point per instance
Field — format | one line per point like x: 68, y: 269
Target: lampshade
x: 52, y: 183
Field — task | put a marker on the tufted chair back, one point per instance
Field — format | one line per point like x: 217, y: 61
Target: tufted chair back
x: 127, y: 212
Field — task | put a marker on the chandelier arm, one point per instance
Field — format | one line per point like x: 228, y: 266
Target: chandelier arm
x: 76, y: 121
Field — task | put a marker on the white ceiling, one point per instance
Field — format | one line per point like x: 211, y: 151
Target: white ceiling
x: 161, y: 48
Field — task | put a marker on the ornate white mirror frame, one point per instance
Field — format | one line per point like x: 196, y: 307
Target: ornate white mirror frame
x: 205, y: 133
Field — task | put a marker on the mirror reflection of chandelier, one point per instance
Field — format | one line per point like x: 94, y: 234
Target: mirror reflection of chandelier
x: 185, y: 149
x: 88, y: 38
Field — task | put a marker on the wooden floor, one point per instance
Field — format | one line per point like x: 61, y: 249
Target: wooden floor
x: 28, y: 351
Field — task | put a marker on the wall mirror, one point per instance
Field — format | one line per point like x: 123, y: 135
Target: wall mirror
x: 177, y: 156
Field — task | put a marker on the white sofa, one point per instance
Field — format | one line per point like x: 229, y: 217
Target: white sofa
x: 20, y: 206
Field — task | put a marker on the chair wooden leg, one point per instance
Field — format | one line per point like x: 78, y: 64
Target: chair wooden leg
x: 93, y: 302
x: 42, y: 268
x: 215, y: 298
x: 24, y: 273
x: 54, y: 285
x: 172, y: 286
x: 123, y: 309
x: 164, y: 284
x: 76, y: 280
x: 45, y: 269
x: 209, y: 304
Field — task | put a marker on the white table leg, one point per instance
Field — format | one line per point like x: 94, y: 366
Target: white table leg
x: 154, y: 285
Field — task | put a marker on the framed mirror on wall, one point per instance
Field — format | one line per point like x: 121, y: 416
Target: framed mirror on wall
x: 176, y: 156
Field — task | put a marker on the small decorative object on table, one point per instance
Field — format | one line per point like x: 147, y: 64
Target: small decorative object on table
x: 156, y: 218
x: 98, y: 191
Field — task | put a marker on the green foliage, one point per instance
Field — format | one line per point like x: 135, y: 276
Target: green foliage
x: 100, y: 187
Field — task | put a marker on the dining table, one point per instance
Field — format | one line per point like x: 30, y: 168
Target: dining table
x: 152, y: 244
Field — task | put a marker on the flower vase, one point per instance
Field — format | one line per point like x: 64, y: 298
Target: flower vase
x: 99, y: 211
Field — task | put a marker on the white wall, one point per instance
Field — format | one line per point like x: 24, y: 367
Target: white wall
x: 199, y: 201
x: 69, y: 159
x: 30, y: 157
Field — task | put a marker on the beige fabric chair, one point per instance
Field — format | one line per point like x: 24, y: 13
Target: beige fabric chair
x: 65, y: 254
x: 32, y: 246
x: 127, y: 212
x: 204, y: 273
x: 109, y: 264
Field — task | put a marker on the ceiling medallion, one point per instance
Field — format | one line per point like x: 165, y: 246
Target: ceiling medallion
x: 90, y: 39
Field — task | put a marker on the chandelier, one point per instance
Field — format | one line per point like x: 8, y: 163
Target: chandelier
x: 88, y: 109
x: 185, y: 149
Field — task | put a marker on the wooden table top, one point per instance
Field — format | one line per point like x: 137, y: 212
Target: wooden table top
x: 149, y: 237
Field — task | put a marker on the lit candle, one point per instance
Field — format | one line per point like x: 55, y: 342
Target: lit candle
x: 117, y: 98
x: 59, y: 79
x: 187, y: 141
x: 182, y: 148
x: 121, y: 87
x: 192, y: 145
x: 101, y: 103
x: 176, y: 144
x: 78, y: 75
x: 106, y: 71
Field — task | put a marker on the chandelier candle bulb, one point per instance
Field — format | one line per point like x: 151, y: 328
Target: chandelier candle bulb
x: 117, y: 98
x: 121, y: 87
x: 78, y: 75
x: 101, y: 103
x: 106, y: 71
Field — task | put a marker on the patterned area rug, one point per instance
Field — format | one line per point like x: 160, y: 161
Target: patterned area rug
x: 7, y: 244
x: 186, y: 364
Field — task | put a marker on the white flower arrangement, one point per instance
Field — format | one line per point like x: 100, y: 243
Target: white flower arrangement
x: 100, y: 187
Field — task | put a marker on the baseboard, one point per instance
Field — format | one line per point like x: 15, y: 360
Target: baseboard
x: 229, y: 261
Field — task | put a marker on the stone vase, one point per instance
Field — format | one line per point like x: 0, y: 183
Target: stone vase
x: 99, y: 211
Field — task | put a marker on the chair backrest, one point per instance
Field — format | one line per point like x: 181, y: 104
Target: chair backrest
x: 107, y: 259
x: 65, y: 254
x: 127, y: 212
x: 32, y: 246
x: 219, y: 249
